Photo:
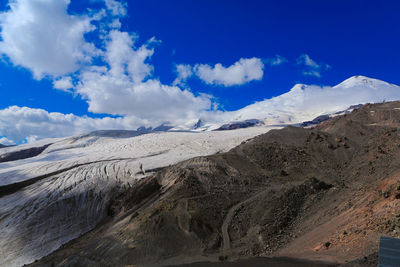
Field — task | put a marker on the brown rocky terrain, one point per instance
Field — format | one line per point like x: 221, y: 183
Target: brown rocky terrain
x: 324, y: 194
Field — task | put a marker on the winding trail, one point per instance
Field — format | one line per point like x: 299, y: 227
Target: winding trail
x: 232, y: 211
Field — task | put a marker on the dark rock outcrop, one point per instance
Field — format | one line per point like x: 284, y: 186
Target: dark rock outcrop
x: 239, y: 124
x: 23, y: 153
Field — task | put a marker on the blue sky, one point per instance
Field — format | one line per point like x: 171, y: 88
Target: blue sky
x: 354, y: 37
x: 338, y: 38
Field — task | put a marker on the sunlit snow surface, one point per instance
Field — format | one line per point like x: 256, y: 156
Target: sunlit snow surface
x: 37, y: 219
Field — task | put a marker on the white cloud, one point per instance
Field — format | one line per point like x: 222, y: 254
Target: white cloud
x: 63, y: 83
x: 41, y: 36
x: 315, y: 73
x: 151, y: 100
x: 312, y: 68
x: 243, y: 71
x: 23, y: 124
x: 183, y: 73
x: 306, y: 60
x: 277, y: 60
x: 121, y: 57
x: 124, y: 86
x: 117, y: 8
x: 7, y: 142
x: 115, y: 24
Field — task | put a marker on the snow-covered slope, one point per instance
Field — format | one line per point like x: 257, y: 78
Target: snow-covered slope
x: 306, y: 102
x: 47, y: 200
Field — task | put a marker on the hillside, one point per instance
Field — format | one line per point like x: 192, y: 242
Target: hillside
x: 47, y: 199
x: 325, y: 193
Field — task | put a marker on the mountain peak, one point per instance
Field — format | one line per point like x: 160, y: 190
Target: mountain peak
x: 360, y: 80
x: 298, y: 88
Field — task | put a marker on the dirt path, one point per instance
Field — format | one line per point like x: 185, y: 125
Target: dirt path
x: 228, y: 219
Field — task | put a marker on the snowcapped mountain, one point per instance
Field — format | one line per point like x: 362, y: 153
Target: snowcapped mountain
x: 299, y: 104
x: 306, y: 102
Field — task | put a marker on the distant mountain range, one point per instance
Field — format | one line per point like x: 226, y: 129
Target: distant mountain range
x: 303, y: 103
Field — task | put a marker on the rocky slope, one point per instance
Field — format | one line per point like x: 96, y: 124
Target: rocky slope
x: 48, y: 199
x: 325, y: 193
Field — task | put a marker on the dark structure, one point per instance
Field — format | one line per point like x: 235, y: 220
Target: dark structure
x: 389, y: 252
